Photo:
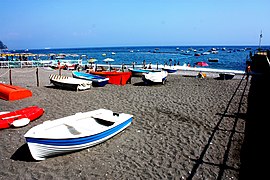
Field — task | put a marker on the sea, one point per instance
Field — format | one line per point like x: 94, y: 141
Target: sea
x: 228, y: 57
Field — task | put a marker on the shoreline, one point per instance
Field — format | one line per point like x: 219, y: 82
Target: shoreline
x: 185, y: 72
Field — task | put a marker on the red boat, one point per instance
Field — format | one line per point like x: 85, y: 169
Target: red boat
x: 11, y: 93
x: 115, y: 77
x: 201, y: 63
x: 20, y: 117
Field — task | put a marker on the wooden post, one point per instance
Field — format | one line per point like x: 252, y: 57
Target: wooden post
x: 37, y: 78
x: 10, y: 80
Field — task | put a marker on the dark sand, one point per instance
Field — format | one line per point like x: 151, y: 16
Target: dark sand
x: 188, y: 128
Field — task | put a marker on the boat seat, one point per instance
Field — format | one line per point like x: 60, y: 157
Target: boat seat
x: 106, y: 115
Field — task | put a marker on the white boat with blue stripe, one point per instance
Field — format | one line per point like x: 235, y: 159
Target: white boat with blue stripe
x: 75, y: 132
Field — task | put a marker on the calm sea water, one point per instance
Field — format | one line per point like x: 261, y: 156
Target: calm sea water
x: 229, y: 57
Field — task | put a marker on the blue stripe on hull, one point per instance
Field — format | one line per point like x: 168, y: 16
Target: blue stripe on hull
x: 99, y: 84
x: 170, y: 71
x: 79, y: 140
x: 97, y: 81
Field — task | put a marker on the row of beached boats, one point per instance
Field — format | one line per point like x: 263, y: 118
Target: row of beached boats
x: 83, y: 81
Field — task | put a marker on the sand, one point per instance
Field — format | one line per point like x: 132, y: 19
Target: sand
x: 188, y: 128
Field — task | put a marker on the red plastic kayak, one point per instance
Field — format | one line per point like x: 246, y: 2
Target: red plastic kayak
x: 20, y: 117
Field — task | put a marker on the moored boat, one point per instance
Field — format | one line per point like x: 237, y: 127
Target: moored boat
x: 97, y: 81
x: 75, y: 132
x: 21, y: 117
x: 70, y: 82
x: 213, y: 59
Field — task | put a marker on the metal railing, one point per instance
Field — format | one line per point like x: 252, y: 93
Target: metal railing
x: 39, y: 63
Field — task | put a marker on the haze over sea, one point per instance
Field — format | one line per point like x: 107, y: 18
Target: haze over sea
x: 229, y: 57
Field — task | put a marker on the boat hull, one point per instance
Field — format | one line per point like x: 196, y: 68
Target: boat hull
x: 32, y: 113
x: 212, y: 60
x: 11, y: 93
x: 70, y: 83
x: 226, y: 76
x: 170, y: 70
x: 115, y: 77
x: 155, y: 77
x: 97, y: 81
x: 139, y: 72
x: 42, y: 147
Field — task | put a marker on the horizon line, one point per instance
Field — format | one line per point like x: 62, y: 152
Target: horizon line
x: 84, y: 47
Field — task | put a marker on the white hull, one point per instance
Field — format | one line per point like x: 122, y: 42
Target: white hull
x: 155, y: 77
x: 41, y: 151
x: 74, y: 133
x: 70, y: 82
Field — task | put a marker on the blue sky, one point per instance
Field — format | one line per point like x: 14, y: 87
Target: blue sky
x: 35, y: 24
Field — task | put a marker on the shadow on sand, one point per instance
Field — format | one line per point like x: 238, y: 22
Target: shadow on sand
x: 223, y: 166
x: 255, y: 149
x: 23, y: 154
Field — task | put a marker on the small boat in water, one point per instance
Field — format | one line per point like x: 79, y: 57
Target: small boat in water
x: 75, y: 132
x: 70, y: 82
x: 155, y: 77
x: 201, y: 63
x: 213, y: 59
x: 20, y: 117
x: 97, y: 81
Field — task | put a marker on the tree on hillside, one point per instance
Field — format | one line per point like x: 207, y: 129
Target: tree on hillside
x: 2, y: 45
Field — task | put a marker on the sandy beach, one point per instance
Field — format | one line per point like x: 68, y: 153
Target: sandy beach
x: 189, y: 128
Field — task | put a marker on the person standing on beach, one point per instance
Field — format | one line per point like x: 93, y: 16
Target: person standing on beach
x: 150, y: 66
x: 144, y: 64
